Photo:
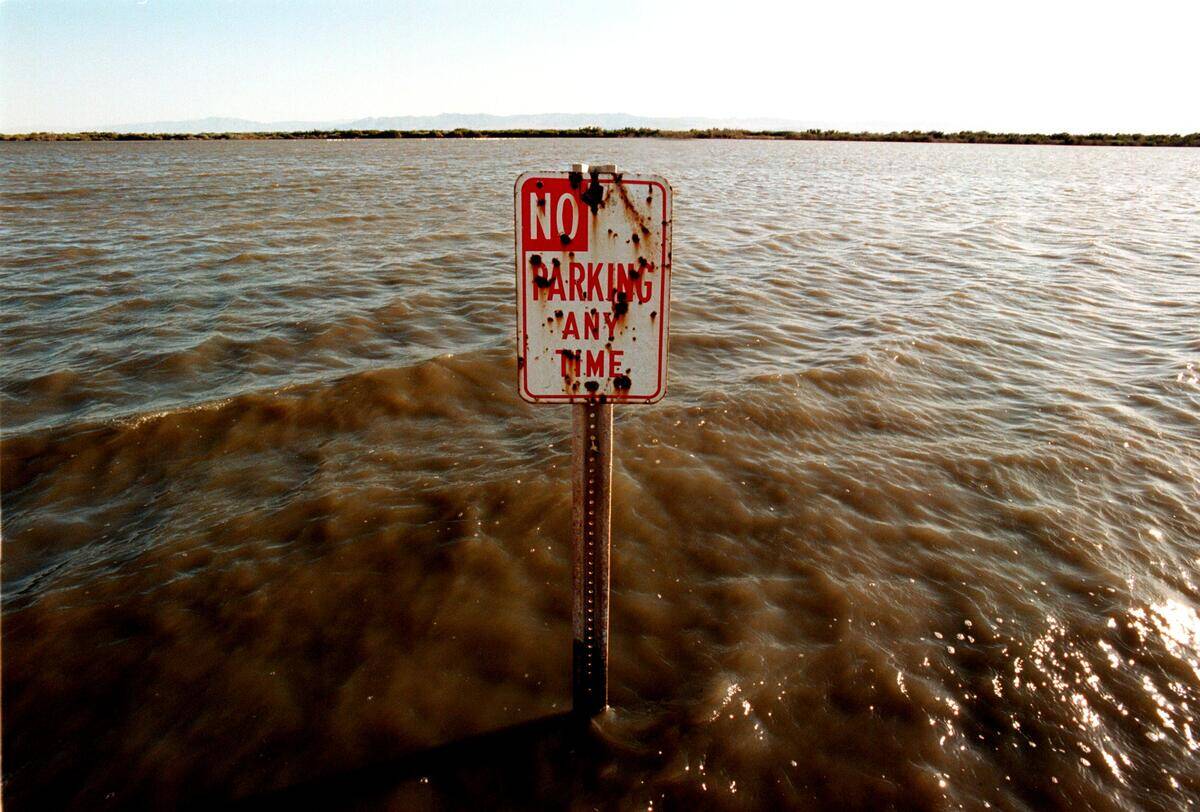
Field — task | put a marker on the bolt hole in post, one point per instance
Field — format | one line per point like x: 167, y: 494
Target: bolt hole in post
x: 593, y: 262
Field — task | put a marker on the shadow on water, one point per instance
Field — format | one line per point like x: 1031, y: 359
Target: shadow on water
x: 547, y: 762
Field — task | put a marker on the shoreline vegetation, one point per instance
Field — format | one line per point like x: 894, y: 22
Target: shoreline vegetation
x: 906, y: 136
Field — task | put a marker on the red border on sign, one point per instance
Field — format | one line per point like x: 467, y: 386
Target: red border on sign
x: 664, y: 302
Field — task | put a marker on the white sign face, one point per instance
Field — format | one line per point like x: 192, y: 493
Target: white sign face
x: 593, y: 286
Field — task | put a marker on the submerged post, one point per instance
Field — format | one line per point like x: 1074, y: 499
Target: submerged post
x: 593, y: 255
x: 592, y: 491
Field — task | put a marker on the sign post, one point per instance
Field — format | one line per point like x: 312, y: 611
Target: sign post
x: 591, y: 466
x: 593, y: 255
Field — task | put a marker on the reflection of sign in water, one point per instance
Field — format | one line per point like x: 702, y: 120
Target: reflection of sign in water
x: 593, y: 286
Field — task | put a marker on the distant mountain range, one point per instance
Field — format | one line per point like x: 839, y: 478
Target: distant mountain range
x: 470, y: 121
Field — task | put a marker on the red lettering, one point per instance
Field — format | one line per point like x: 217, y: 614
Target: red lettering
x: 591, y: 324
x: 570, y: 363
x: 645, y: 291
x: 575, y: 284
x: 556, y: 285
x: 614, y: 363
x: 595, y: 364
x: 610, y: 321
x: 624, y: 283
x: 571, y: 327
x: 594, y: 292
x: 540, y: 281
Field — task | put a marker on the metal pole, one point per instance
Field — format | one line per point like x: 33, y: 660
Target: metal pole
x: 591, y: 487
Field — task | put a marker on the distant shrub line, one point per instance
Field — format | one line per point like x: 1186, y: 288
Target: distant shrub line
x: 908, y: 136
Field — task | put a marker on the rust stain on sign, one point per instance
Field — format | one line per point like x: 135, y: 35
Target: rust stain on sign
x: 593, y: 256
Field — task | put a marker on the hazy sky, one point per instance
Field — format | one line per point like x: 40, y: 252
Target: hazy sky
x: 1026, y: 66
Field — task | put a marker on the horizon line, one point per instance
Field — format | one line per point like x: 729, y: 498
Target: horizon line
x: 714, y: 133
x: 558, y: 120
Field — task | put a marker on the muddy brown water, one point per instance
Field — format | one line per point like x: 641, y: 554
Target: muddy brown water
x: 916, y: 526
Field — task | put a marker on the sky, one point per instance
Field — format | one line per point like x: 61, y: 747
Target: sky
x: 1022, y: 66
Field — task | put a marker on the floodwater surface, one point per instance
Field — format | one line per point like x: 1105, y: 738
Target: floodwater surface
x: 916, y: 525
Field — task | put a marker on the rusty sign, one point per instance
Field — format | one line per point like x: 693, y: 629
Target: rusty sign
x: 593, y: 285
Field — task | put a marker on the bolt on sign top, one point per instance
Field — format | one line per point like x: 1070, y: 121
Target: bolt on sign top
x: 593, y: 285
